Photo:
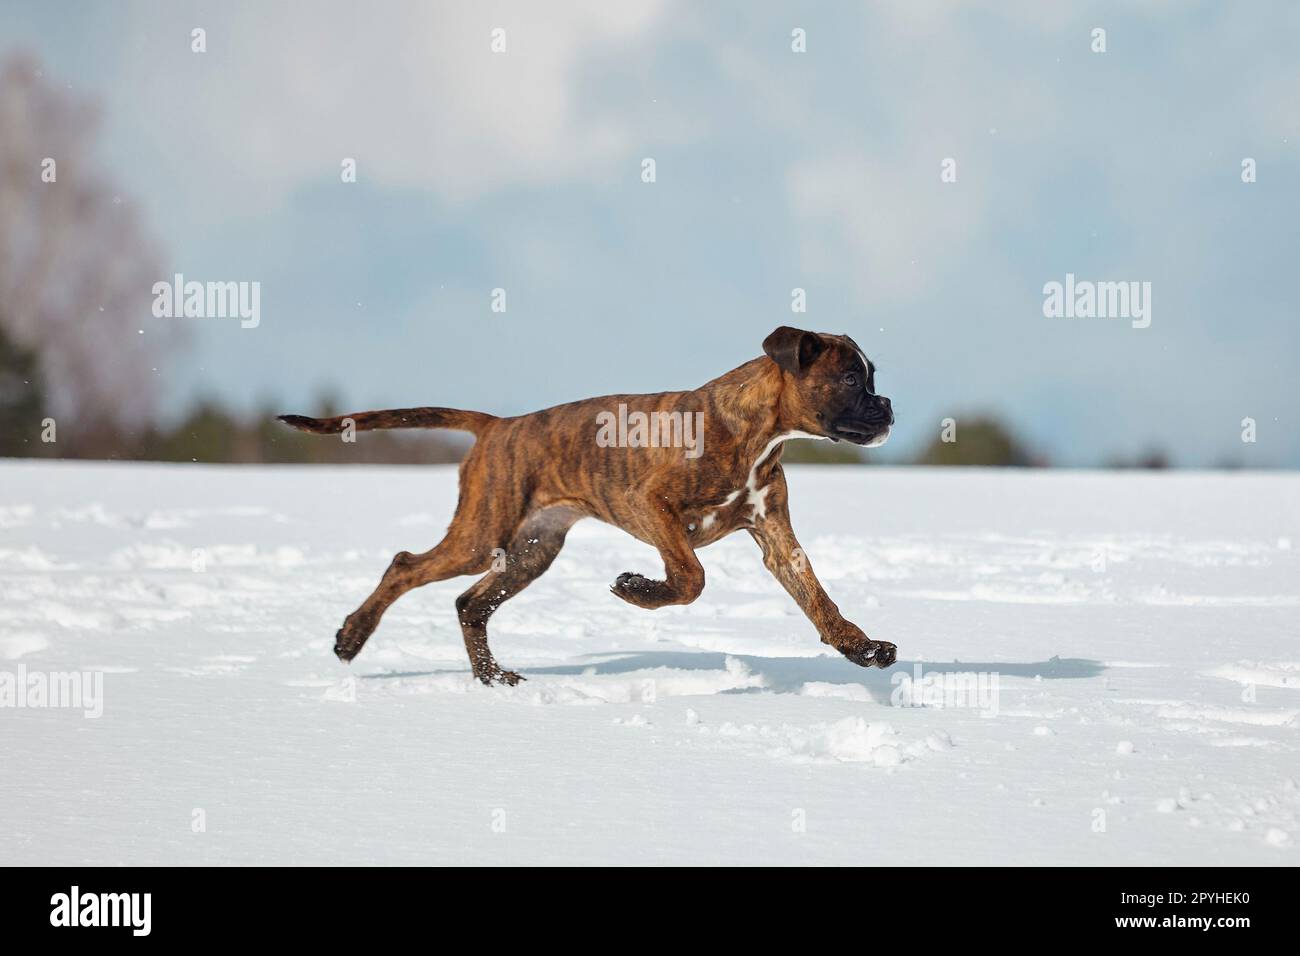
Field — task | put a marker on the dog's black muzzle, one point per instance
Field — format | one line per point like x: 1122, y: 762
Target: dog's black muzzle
x: 869, y: 420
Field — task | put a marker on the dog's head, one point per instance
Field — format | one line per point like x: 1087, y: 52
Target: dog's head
x: 830, y: 386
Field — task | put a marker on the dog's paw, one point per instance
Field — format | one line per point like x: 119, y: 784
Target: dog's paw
x: 351, y: 637
x: 495, y: 675
x: 871, y: 653
x: 849, y: 640
x: 637, y: 589
x: 631, y: 581
x: 344, y: 650
x: 634, y: 588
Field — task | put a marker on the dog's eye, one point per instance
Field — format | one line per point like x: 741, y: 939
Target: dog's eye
x: 850, y: 380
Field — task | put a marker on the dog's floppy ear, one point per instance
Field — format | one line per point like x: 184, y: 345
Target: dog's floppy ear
x: 793, y: 349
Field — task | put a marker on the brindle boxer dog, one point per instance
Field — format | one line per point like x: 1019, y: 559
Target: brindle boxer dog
x: 527, y: 480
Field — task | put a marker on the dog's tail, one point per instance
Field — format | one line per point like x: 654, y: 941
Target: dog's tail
x: 427, y: 417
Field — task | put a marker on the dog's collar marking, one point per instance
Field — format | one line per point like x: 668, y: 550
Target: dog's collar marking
x: 755, y: 496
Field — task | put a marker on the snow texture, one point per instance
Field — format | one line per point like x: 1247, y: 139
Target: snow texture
x: 1112, y: 659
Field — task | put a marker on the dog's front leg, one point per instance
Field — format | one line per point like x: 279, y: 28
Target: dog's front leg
x: 783, y: 556
x: 683, y: 574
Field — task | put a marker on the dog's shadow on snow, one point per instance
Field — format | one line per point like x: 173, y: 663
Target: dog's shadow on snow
x: 788, y: 674
x: 784, y: 675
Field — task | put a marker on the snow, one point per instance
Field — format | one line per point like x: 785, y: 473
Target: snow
x: 1094, y: 668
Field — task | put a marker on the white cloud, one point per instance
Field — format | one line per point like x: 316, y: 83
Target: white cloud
x: 415, y: 95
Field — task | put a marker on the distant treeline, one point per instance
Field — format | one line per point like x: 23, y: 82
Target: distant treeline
x: 211, y: 434
x: 30, y: 428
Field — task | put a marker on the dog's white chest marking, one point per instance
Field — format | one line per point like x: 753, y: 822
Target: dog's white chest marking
x: 756, y: 497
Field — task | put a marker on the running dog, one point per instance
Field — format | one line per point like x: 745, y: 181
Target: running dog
x: 528, y: 479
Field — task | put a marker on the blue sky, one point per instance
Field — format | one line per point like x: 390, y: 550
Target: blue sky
x: 775, y: 170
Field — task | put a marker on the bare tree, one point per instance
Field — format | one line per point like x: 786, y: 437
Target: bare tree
x: 76, y: 272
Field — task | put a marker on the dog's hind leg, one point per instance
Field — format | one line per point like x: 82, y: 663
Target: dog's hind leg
x: 530, y: 552
x: 449, y: 559
x: 475, y: 532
